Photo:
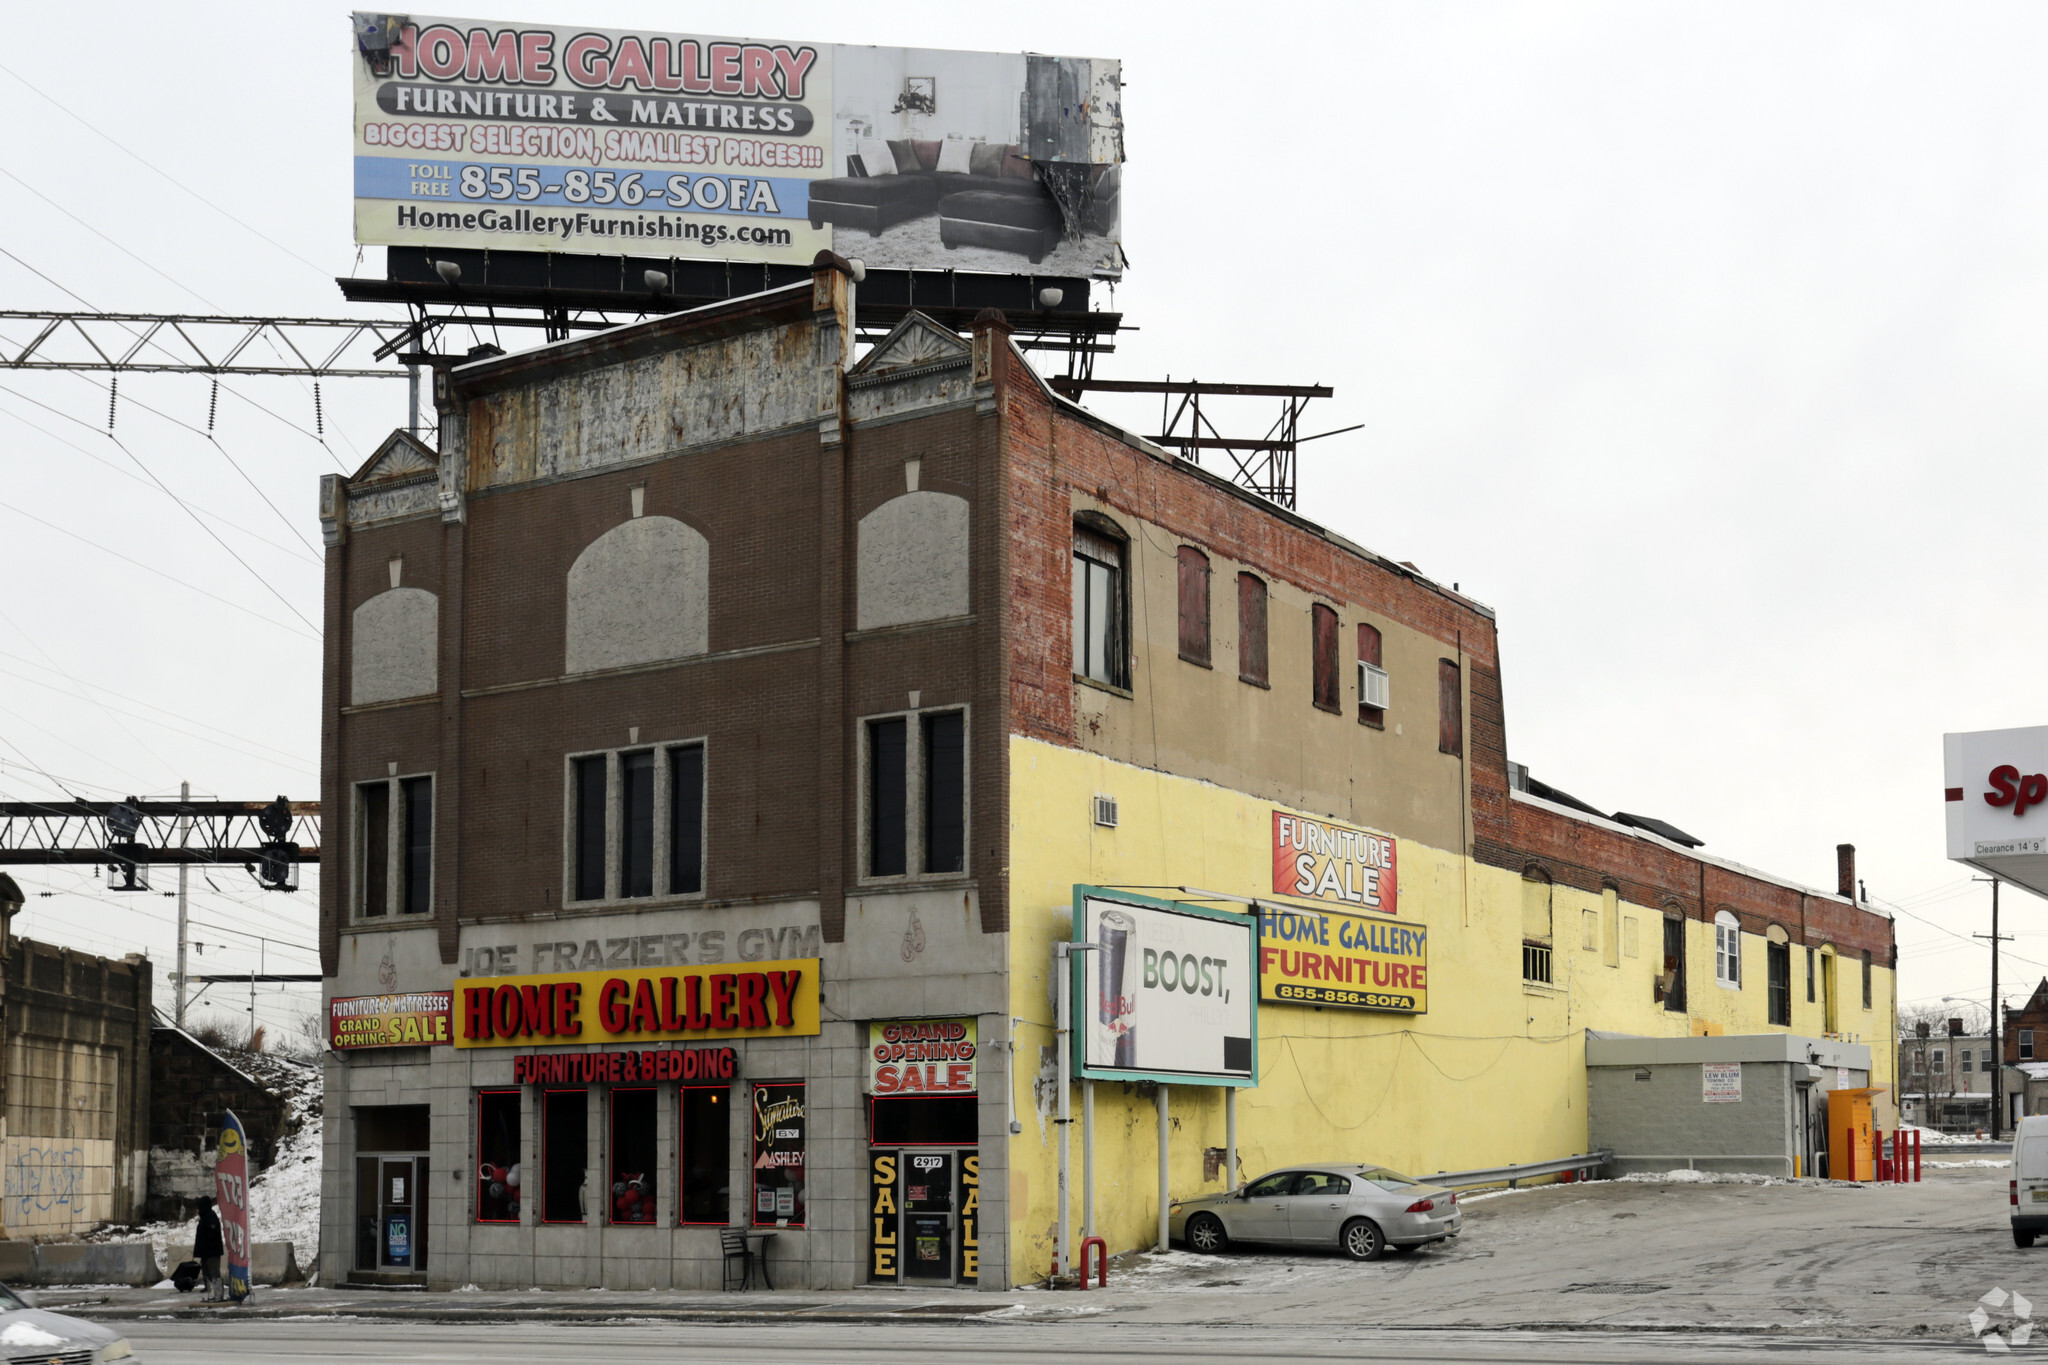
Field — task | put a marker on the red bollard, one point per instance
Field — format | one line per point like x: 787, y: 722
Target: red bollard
x: 1101, y: 1261
x: 1916, y: 1156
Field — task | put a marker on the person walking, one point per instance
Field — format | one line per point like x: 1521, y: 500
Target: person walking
x: 207, y: 1248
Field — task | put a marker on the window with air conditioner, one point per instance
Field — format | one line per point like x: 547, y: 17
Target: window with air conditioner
x: 1375, y: 688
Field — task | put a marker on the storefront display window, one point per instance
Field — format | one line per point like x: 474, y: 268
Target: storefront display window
x: 779, y: 1154
x: 632, y: 1182
x: 565, y: 1154
x: 498, y: 1173
x: 707, y: 1154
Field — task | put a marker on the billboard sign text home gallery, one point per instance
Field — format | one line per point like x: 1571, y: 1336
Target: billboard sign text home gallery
x: 527, y: 137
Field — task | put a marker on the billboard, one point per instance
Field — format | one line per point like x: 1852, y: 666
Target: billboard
x: 1321, y: 861
x: 1331, y: 957
x: 529, y: 137
x: 1995, y: 798
x: 414, y: 1020
x: 1170, y: 993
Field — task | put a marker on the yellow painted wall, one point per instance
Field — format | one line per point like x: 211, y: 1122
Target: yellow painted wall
x: 1495, y: 1072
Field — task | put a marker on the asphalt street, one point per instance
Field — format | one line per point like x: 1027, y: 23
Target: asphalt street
x: 315, y: 1343
x: 1606, y: 1271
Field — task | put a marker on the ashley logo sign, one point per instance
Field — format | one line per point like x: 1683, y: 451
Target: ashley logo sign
x: 2008, y: 788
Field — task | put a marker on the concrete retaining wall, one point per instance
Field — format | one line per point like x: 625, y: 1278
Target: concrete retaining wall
x: 269, y: 1262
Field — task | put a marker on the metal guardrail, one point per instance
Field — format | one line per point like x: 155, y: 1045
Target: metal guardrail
x: 1512, y: 1176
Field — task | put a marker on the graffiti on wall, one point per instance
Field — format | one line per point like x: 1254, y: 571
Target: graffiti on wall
x: 57, y: 1183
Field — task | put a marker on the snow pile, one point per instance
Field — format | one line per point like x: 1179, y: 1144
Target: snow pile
x: 284, y: 1197
x: 1930, y: 1138
x: 1959, y: 1165
x: 25, y: 1333
x: 1689, y: 1177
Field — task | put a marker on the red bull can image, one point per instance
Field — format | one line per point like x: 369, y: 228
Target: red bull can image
x: 1116, y: 1003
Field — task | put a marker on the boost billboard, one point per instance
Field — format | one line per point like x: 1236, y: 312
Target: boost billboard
x: 1170, y: 993
x: 532, y: 137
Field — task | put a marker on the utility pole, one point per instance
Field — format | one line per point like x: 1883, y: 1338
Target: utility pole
x: 184, y: 872
x: 1997, y: 1013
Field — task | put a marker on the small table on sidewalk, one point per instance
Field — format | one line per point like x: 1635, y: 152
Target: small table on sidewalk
x: 758, y: 1239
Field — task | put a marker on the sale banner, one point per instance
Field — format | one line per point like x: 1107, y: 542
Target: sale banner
x: 1321, y: 861
x: 416, y: 1020
x: 921, y: 1057
x: 231, y: 1196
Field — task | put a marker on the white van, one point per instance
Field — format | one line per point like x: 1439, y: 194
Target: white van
x: 2029, y: 1186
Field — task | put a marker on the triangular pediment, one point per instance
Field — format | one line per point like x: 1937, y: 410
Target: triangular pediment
x: 915, y: 342
x: 402, y: 456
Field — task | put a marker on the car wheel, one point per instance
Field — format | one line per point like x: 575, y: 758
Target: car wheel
x: 2022, y: 1239
x: 1362, y: 1240
x: 1206, y: 1234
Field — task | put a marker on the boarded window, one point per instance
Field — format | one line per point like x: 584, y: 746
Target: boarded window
x: 1450, y: 727
x: 1866, y: 978
x: 686, y: 820
x: 416, y: 854
x: 888, y: 785
x: 1323, y: 635
x: 590, y: 833
x: 1369, y: 646
x: 636, y: 823
x: 1535, y: 909
x: 1194, y: 606
x: 945, y: 792
x: 1671, y: 985
x: 375, y: 869
x: 1251, y: 629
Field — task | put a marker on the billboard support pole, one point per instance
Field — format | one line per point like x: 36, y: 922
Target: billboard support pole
x: 1230, y: 1138
x: 1162, y: 1169
x: 1087, y: 1161
x: 1062, y: 1043
x: 412, y: 392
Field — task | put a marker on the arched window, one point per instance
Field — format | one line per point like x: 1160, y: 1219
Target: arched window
x: 1778, y: 976
x: 1251, y: 629
x: 1372, y: 679
x: 1100, y: 650
x: 1728, y: 949
x: 1194, y: 606
x: 1323, y: 670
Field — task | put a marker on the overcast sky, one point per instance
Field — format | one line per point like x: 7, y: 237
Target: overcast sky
x: 1703, y: 342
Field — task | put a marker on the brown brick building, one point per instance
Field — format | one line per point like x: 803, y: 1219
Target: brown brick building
x: 726, y: 723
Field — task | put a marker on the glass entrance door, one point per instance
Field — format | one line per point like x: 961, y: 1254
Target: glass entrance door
x: 391, y: 1214
x: 930, y: 1216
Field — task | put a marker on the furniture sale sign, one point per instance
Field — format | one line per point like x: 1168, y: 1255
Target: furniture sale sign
x: 534, y: 137
x: 1322, y: 861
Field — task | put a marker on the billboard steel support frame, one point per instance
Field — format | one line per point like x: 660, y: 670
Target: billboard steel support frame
x: 114, y: 344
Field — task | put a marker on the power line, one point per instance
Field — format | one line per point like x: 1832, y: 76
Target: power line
x: 172, y: 578
x: 161, y: 172
x: 273, y: 754
x: 103, y: 237
x: 133, y: 477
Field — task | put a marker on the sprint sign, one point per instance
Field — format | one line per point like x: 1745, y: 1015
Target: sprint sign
x: 1316, y: 860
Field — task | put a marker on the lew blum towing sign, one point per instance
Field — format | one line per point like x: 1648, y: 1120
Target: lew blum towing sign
x: 759, y: 1000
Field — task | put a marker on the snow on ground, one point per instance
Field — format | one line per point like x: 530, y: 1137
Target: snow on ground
x: 284, y: 1197
x: 1688, y: 1177
x: 1958, y: 1165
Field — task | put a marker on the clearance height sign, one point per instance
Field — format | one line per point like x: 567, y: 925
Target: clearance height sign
x: 1330, y: 957
x: 753, y: 1000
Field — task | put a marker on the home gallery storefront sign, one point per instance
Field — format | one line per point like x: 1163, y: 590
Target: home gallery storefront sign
x: 759, y: 1000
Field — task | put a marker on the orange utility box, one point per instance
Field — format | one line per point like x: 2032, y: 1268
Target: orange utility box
x: 1849, y: 1148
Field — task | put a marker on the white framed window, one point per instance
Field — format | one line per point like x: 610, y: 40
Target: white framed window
x: 1963, y: 1061
x: 913, y: 795
x: 1728, y: 950
x: 2026, y: 1045
x: 394, y: 852
x: 633, y: 823
x: 1940, y: 1057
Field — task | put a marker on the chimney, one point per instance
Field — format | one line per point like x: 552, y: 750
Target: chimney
x: 1955, y: 1028
x: 1845, y: 870
x: 1922, y: 1028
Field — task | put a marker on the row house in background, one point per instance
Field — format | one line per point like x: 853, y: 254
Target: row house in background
x: 725, y: 718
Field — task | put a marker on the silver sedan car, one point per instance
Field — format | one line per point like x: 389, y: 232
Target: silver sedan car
x: 34, y: 1335
x: 1361, y: 1210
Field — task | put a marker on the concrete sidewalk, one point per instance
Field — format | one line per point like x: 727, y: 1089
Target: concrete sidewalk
x: 1803, y: 1258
